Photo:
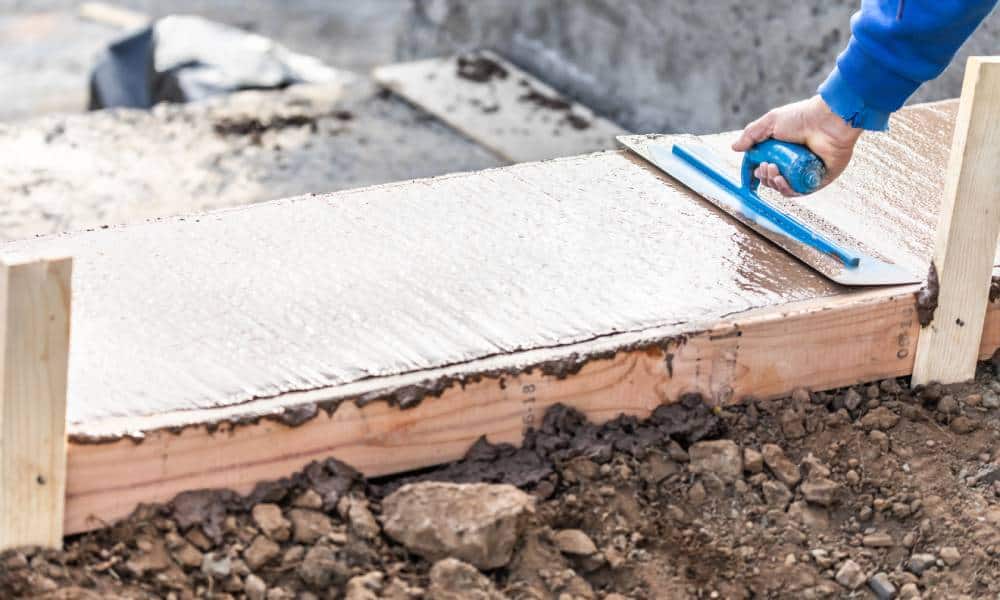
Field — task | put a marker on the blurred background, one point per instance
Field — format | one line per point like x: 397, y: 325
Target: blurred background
x: 640, y: 65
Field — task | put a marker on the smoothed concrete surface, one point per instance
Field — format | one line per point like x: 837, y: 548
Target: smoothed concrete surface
x: 221, y: 309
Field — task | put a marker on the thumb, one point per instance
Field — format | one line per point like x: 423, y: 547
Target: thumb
x: 756, y: 132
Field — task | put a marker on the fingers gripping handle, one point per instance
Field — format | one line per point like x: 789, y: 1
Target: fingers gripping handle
x: 803, y: 170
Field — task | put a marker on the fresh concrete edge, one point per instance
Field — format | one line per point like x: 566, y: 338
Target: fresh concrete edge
x: 837, y: 341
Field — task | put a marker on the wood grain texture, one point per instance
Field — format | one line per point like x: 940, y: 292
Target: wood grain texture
x: 818, y: 344
x: 515, y: 116
x: 967, y: 232
x: 34, y: 331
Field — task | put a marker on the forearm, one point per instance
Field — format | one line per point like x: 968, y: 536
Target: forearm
x: 897, y: 45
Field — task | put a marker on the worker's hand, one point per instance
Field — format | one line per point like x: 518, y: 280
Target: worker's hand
x: 809, y: 122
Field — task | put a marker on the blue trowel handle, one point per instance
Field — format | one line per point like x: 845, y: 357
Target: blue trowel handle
x: 803, y: 170
x: 755, y: 207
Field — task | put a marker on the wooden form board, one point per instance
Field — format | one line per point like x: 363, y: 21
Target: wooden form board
x: 817, y: 345
x: 34, y: 347
x: 499, y: 106
x: 967, y: 232
x: 191, y: 333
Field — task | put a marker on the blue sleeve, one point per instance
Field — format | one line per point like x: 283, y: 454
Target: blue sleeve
x: 897, y: 45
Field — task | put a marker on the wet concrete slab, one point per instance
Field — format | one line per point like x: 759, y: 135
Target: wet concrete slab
x: 322, y: 291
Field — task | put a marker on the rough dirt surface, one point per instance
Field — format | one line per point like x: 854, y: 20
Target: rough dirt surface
x: 71, y: 172
x: 868, y: 492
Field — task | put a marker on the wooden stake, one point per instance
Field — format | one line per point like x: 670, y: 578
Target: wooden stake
x: 967, y: 232
x: 34, y: 346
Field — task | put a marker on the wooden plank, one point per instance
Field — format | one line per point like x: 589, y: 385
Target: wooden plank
x: 34, y: 329
x: 836, y: 342
x: 967, y: 232
x: 115, y: 16
x: 499, y: 106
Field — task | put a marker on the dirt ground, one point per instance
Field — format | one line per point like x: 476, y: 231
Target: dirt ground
x: 868, y: 492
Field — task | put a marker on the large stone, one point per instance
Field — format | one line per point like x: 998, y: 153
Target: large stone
x: 784, y: 469
x: 453, y: 579
x: 476, y: 523
x: 719, y: 457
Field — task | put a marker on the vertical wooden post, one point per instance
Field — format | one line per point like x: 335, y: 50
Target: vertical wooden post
x: 34, y: 347
x: 948, y: 348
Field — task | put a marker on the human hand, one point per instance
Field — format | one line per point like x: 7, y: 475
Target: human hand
x: 809, y: 122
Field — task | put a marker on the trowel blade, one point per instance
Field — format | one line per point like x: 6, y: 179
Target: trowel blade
x: 870, y: 272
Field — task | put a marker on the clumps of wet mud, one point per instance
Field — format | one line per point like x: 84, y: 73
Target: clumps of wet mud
x: 927, y: 298
x: 554, y: 103
x: 869, y: 491
x: 480, y: 69
x: 254, y: 127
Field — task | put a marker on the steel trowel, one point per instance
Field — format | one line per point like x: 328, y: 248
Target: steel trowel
x: 832, y: 253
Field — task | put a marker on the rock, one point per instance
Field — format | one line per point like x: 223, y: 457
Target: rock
x: 656, y: 468
x: 452, y: 579
x: 918, y: 563
x: 153, y: 560
x: 476, y: 523
x: 271, y: 522
x: 793, y: 424
x: 187, y: 555
x: 361, y: 520
x: 574, y: 541
x: 215, y: 565
x: 197, y: 537
x: 814, y: 467
x: 814, y: 518
x: 962, y: 425
x: 784, y: 469
x: 950, y: 556
x: 261, y: 551
x: 696, y: 494
x: 973, y: 400
x: 293, y: 555
x: 309, y: 499
x: 991, y: 399
x: 800, y: 396
x: 776, y: 494
x: 753, y: 461
x: 881, y: 419
x: 820, y: 491
x: 254, y: 587
x: 850, y: 575
x: 309, y: 525
x: 948, y: 405
x: 365, y: 587
x: 718, y: 457
x: 852, y: 400
x: 882, y: 587
x: 909, y: 591
x: 320, y: 569
x: 879, y: 539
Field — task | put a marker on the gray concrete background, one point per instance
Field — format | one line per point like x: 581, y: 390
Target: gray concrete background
x: 662, y: 65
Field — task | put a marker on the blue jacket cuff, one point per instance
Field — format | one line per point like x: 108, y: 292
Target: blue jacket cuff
x: 851, y: 107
